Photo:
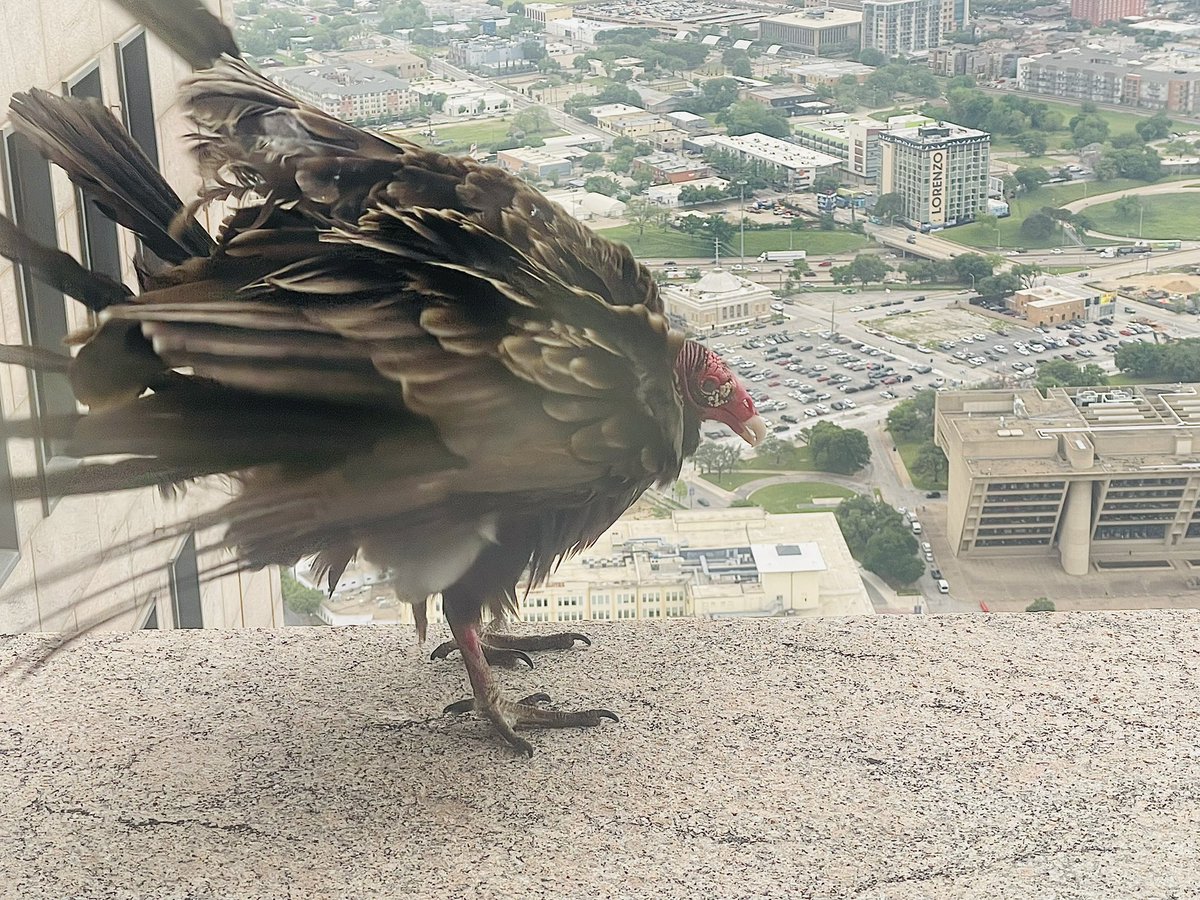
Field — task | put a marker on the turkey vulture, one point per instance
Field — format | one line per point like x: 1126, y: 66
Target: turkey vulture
x: 392, y: 352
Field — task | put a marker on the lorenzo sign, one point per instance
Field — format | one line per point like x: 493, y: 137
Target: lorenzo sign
x: 937, y: 187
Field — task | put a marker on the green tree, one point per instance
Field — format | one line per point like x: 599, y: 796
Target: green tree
x: 1061, y: 373
x: 774, y: 447
x: 297, y: 597
x: 930, y: 464
x: 748, y: 117
x: 888, y: 206
x: 912, y: 419
x: 1155, y: 128
x: 1030, y: 178
x: 971, y: 267
x: 837, y: 449
x: 1038, y: 227
x: 1139, y: 359
x: 591, y: 162
x: 1088, y: 129
x: 1041, y: 604
x: 867, y: 267
x: 602, y: 184
x: 533, y: 120
x: 1026, y: 272
x: 891, y: 554
x: 1127, y: 207
x: 1034, y: 143
x: 641, y: 213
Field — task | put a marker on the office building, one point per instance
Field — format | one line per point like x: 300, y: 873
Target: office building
x: 787, y: 162
x: 349, y: 91
x: 955, y: 15
x: 392, y: 60
x: 940, y: 172
x: 901, y: 27
x: 1101, y: 477
x: 490, y: 54
x: 820, y: 31
x: 92, y: 49
x: 696, y: 564
x: 1098, y: 12
x: 538, y: 162
x: 789, y: 99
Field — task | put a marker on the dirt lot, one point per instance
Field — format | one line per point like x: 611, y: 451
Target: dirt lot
x: 947, y: 324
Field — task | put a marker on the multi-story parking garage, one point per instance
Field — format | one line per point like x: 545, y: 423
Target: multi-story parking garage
x: 1101, y: 477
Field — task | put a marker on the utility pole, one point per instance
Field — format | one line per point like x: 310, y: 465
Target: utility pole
x: 716, y: 251
x: 741, y: 182
x: 832, y: 314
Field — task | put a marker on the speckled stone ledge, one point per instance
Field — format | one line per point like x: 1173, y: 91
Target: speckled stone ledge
x: 1029, y: 756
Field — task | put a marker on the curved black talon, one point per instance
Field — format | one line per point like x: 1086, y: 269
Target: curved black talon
x: 502, y: 656
x: 540, y: 697
x: 576, y: 636
x: 443, y: 650
x: 459, y: 707
x: 606, y: 714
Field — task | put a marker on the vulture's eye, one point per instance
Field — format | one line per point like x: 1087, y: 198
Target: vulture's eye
x: 709, y: 385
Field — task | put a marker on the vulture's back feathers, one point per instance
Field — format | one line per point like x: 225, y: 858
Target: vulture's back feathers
x: 387, y: 348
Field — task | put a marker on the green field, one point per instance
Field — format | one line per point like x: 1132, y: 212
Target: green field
x: 659, y: 242
x: 733, y: 480
x: 487, y: 134
x: 1164, y: 217
x: 787, y: 498
x: 984, y: 237
x: 797, y: 459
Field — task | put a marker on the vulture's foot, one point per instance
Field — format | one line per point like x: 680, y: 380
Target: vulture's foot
x: 564, y: 640
x: 496, y: 656
x: 507, y: 716
x: 502, y: 649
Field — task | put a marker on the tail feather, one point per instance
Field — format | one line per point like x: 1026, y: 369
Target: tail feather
x: 83, y: 137
x: 94, y: 290
x: 187, y: 27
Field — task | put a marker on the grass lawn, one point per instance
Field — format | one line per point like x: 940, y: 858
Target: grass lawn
x: 787, y: 498
x: 984, y: 237
x: 1164, y: 216
x: 486, y: 134
x: 797, y: 459
x: 733, y: 480
x: 656, y: 242
x: 908, y: 453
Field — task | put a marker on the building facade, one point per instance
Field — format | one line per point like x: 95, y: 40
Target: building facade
x: 901, y: 27
x: 787, y: 162
x: 349, y: 91
x: 1106, y: 478
x: 819, y: 31
x: 940, y: 171
x: 1097, y: 12
x: 696, y: 564
x: 1168, y: 81
x: 718, y: 299
x: 1055, y: 300
x: 494, y: 55
x: 92, y: 49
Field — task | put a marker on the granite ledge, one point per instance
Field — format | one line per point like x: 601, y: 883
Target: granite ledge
x: 1047, y: 755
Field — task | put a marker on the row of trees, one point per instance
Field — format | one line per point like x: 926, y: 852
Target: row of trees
x: 911, y: 422
x: 1062, y: 373
x: 878, y: 538
x: 1176, y: 361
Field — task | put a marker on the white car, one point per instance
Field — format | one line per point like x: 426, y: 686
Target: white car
x: 979, y: 337
x: 1023, y: 351
x: 858, y: 309
x: 1057, y: 251
x: 924, y: 350
x: 1000, y: 348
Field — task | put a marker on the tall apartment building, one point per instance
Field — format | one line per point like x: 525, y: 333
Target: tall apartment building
x: 89, y: 48
x: 1097, y: 12
x: 819, y: 31
x: 940, y: 171
x: 1105, y: 477
x: 1164, y: 80
x: 901, y: 27
x: 349, y: 91
x: 954, y: 15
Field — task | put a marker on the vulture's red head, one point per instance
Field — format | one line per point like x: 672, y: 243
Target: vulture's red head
x: 713, y: 392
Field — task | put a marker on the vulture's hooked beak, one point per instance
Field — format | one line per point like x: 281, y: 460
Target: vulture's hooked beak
x: 753, y: 430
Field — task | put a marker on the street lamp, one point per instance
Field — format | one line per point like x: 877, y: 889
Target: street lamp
x: 741, y: 183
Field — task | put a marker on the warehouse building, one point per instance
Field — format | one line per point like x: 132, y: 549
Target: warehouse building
x: 820, y: 31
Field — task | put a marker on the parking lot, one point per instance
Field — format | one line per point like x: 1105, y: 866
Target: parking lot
x: 799, y: 376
